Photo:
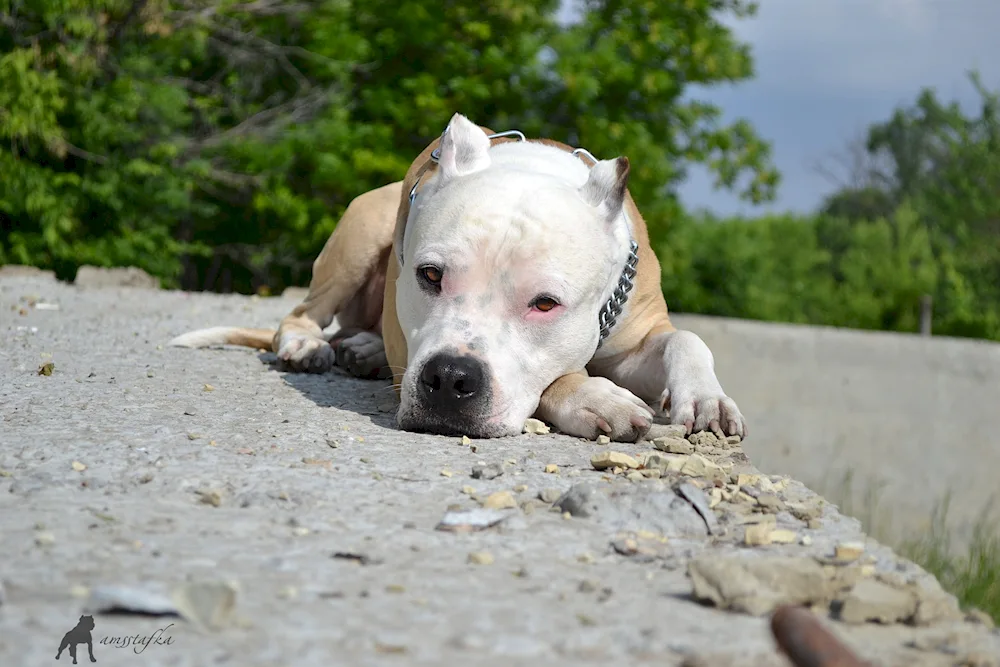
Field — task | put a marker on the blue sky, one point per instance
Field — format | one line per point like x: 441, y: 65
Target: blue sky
x: 826, y: 69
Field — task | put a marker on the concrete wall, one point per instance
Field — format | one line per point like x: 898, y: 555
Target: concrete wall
x: 914, y: 417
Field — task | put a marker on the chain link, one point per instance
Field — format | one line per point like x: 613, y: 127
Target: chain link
x: 608, y: 316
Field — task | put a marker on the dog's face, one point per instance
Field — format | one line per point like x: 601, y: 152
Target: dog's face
x: 87, y: 622
x: 506, y: 260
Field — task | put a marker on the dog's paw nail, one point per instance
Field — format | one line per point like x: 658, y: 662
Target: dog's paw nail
x: 639, y: 422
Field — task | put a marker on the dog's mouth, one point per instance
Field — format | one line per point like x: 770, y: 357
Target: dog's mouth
x: 421, y: 421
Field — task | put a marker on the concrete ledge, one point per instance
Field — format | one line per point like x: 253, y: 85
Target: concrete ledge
x: 285, y: 520
x: 914, y: 418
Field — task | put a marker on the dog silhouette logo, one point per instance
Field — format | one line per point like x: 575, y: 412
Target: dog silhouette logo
x: 79, y: 635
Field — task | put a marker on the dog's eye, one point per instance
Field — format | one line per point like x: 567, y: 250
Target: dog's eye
x: 544, y: 303
x: 431, y: 274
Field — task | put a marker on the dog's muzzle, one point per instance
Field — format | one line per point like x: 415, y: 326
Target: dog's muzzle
x: 452, y: 396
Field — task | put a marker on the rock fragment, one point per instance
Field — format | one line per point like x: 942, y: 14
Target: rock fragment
x: 487, y: 470
x: 578, y: 501
x: 756, y: 535
x: 552, y: 469
x: 704, y: 439
x: 782, y: 536
x: 666, y: 431
x: 848, y: 552
x: 549, y: 495
x: 466, y: 521
x: 210, y: 497
x: 769, y: 502
x: 535, y: 427
x: 605, y: 460
x: 871, y: 600
x: 500, y: 500
x: 757, y: 586
x: 481, y: 558
x: 673, y: 445
x: 698, y: 466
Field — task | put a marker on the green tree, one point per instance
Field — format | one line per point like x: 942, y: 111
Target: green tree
x: 768, y: 268
x: 936, y: 164
x: 216, y: 142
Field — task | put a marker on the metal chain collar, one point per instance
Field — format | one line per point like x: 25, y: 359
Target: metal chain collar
x: 607, y: 318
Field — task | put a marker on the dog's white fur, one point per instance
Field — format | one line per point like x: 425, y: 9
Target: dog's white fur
x: 508, y: 224
x: 505, y: 222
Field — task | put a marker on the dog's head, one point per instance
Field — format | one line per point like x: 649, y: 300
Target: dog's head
x: 86, y: 622
x: 506, y: 259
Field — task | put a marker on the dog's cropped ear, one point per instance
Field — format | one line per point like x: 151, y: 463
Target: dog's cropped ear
x: 464, y: 148
x: 606, y: 186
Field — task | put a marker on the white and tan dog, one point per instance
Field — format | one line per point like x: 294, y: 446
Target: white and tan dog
x: 501, y: 279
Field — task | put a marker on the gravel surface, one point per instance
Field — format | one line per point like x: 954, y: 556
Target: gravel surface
x: 288, y: 522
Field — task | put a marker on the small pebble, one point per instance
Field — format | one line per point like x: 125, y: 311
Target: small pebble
x: 757, y: 535
x: 606, y: 460
x: 552, y: 469
x: 783, y: 536
x: 549, y: 495
x: 481, y: 558
x: 848, y: 551
x: 446, y: 473
x: 487, y: 470
x: 673, y: 445
x: 466, y: 440
x: 603, y: 440
x: 44, y: 539
x: 500, y: 500
x: 79, y: 467
x: 535, y: 427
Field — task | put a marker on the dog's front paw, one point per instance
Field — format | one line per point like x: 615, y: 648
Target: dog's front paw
x: 362, y: 355
x: 600, y: 407
x: 705, y: 409
x: 306, y: 353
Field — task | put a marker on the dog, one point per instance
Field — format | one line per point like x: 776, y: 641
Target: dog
x: 503, y: 278
x: 79, y: 635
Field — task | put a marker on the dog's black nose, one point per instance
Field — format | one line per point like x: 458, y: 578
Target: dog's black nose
x: 452, y: 382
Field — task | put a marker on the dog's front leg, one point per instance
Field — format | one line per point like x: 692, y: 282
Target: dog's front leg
x: 676, y: 370
x: 90, y: 649
x: 587, y: 407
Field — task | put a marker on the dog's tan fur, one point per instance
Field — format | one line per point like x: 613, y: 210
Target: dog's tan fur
x: 354, y: 279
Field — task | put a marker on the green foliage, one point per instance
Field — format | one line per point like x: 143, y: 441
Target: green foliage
x: 972, y: 577
x: 922, y: 219
x: 776, y: 268
x: 215, y: 143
